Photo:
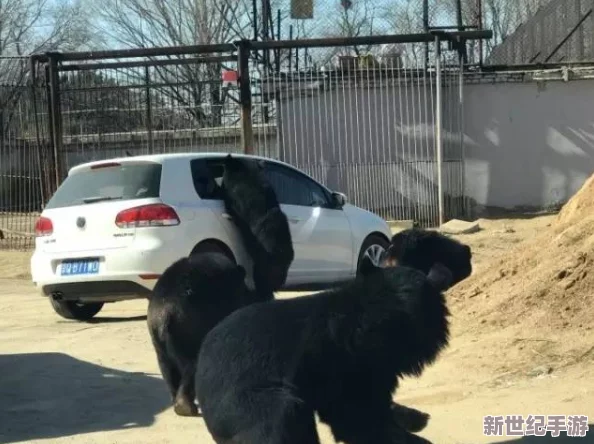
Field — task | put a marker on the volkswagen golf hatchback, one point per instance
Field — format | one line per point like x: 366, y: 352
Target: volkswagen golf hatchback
x: 113, y: 226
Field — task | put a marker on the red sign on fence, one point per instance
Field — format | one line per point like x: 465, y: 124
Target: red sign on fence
x: 229, y: 78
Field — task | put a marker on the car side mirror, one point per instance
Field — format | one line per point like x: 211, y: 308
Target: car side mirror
x: 339, y: 199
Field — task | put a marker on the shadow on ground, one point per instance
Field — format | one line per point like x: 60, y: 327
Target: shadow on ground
x: 115, y: 319
x: 50, y: 395
x: 97, y: 320
x: 561, y: 439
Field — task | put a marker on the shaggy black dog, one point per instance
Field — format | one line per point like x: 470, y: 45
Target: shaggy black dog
x: 421, y: 249
x: 189, y: 299
x: 252, y: 204
x: 265, y: 369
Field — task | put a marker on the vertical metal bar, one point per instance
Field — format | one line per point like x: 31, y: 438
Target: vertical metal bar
x: 278, y: 37
x: 50, y: 126
x: 459, y: 20
x: 245, y: 96
x: 592, y: 28
x: 265, y: 33
x: 290, y: 50
x: 255, y: 18
x: 480, y: 28
x: 462, y: 145
x: 426, y: 30
x: 462, y: 42
x: 32, y: 68
x: 149, y: 111
x: 55, y: 115
x: 438, y: 128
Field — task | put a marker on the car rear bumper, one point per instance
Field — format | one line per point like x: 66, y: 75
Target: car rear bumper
x: 96, y: 291
x: 123, y: 274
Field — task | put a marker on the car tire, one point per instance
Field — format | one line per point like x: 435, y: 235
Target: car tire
x: 76, y: 310
x: 374, y: 245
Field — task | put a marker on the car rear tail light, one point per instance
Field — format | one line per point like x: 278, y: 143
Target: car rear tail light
x: 105, y: 165
x: 149, y: 276
x: 44, y: 227
x: 155, y: 215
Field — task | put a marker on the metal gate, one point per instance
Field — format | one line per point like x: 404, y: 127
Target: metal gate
x: 378, y: 118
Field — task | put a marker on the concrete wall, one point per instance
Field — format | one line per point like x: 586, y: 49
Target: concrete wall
x: 528, y: 144
x: 375, y: 143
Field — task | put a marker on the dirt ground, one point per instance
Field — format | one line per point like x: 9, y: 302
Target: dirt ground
x: 98, y: 382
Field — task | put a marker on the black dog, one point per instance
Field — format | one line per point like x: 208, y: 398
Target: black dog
x: 265, y: 369
x: 422, y: 249
x: 195, y: 293
x: 252, y: 204
x: 188, y: 300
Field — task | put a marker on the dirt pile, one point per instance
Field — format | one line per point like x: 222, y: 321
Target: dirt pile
x: 542, y: 284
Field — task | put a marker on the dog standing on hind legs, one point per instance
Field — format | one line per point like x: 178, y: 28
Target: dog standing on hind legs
x: 195, y: 293
x: 253, y: 206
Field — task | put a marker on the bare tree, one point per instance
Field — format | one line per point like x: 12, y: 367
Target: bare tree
x: 504, y: 16
x: 33, y: 26
x: 356, y: 18
x: 406, y: 17
x: 501, y: 16
x: 195, y: 88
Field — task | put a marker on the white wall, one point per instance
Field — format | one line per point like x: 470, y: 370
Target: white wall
x: 528, y: 144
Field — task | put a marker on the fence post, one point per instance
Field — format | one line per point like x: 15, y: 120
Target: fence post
x: 55, y: 115
x: 465, y: 206
x: 426, y: 30
x: 480, y: 28
x: 149, y: 111
x: 438, y: 127
x: 245, y: 96
x: 33, y: 81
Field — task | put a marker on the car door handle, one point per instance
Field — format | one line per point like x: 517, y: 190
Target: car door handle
x: 294, y: 220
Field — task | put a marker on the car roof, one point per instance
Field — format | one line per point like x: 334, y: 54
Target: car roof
x: 163, y: 158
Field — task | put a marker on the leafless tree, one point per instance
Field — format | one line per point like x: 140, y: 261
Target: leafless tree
x: 33, y: 26
x: 153, y: 23
x: 504, y: 16
x: 30, y: 26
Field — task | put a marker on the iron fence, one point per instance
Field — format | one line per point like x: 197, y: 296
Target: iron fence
x: 23, y: 152
x: 368, y: 126
x: 374, y: 121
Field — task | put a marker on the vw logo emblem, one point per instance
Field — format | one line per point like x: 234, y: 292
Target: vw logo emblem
x: 80, y: 222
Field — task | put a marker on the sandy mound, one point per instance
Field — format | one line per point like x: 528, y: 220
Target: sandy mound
x: 579, y: 206
x: 545, y: 283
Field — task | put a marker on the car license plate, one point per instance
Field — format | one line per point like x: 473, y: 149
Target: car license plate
x: 79, y: 267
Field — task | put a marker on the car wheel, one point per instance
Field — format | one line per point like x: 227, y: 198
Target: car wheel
x: 76, y: 310
x: 373, y: 247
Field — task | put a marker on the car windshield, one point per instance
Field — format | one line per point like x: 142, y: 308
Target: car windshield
x: 118, y: 182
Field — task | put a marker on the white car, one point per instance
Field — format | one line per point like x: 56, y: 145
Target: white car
x: 113, y: 226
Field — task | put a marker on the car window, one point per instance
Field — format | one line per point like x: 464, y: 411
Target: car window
x: 207, y: 175
x: 293, y: 188
x: 125, y: 181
